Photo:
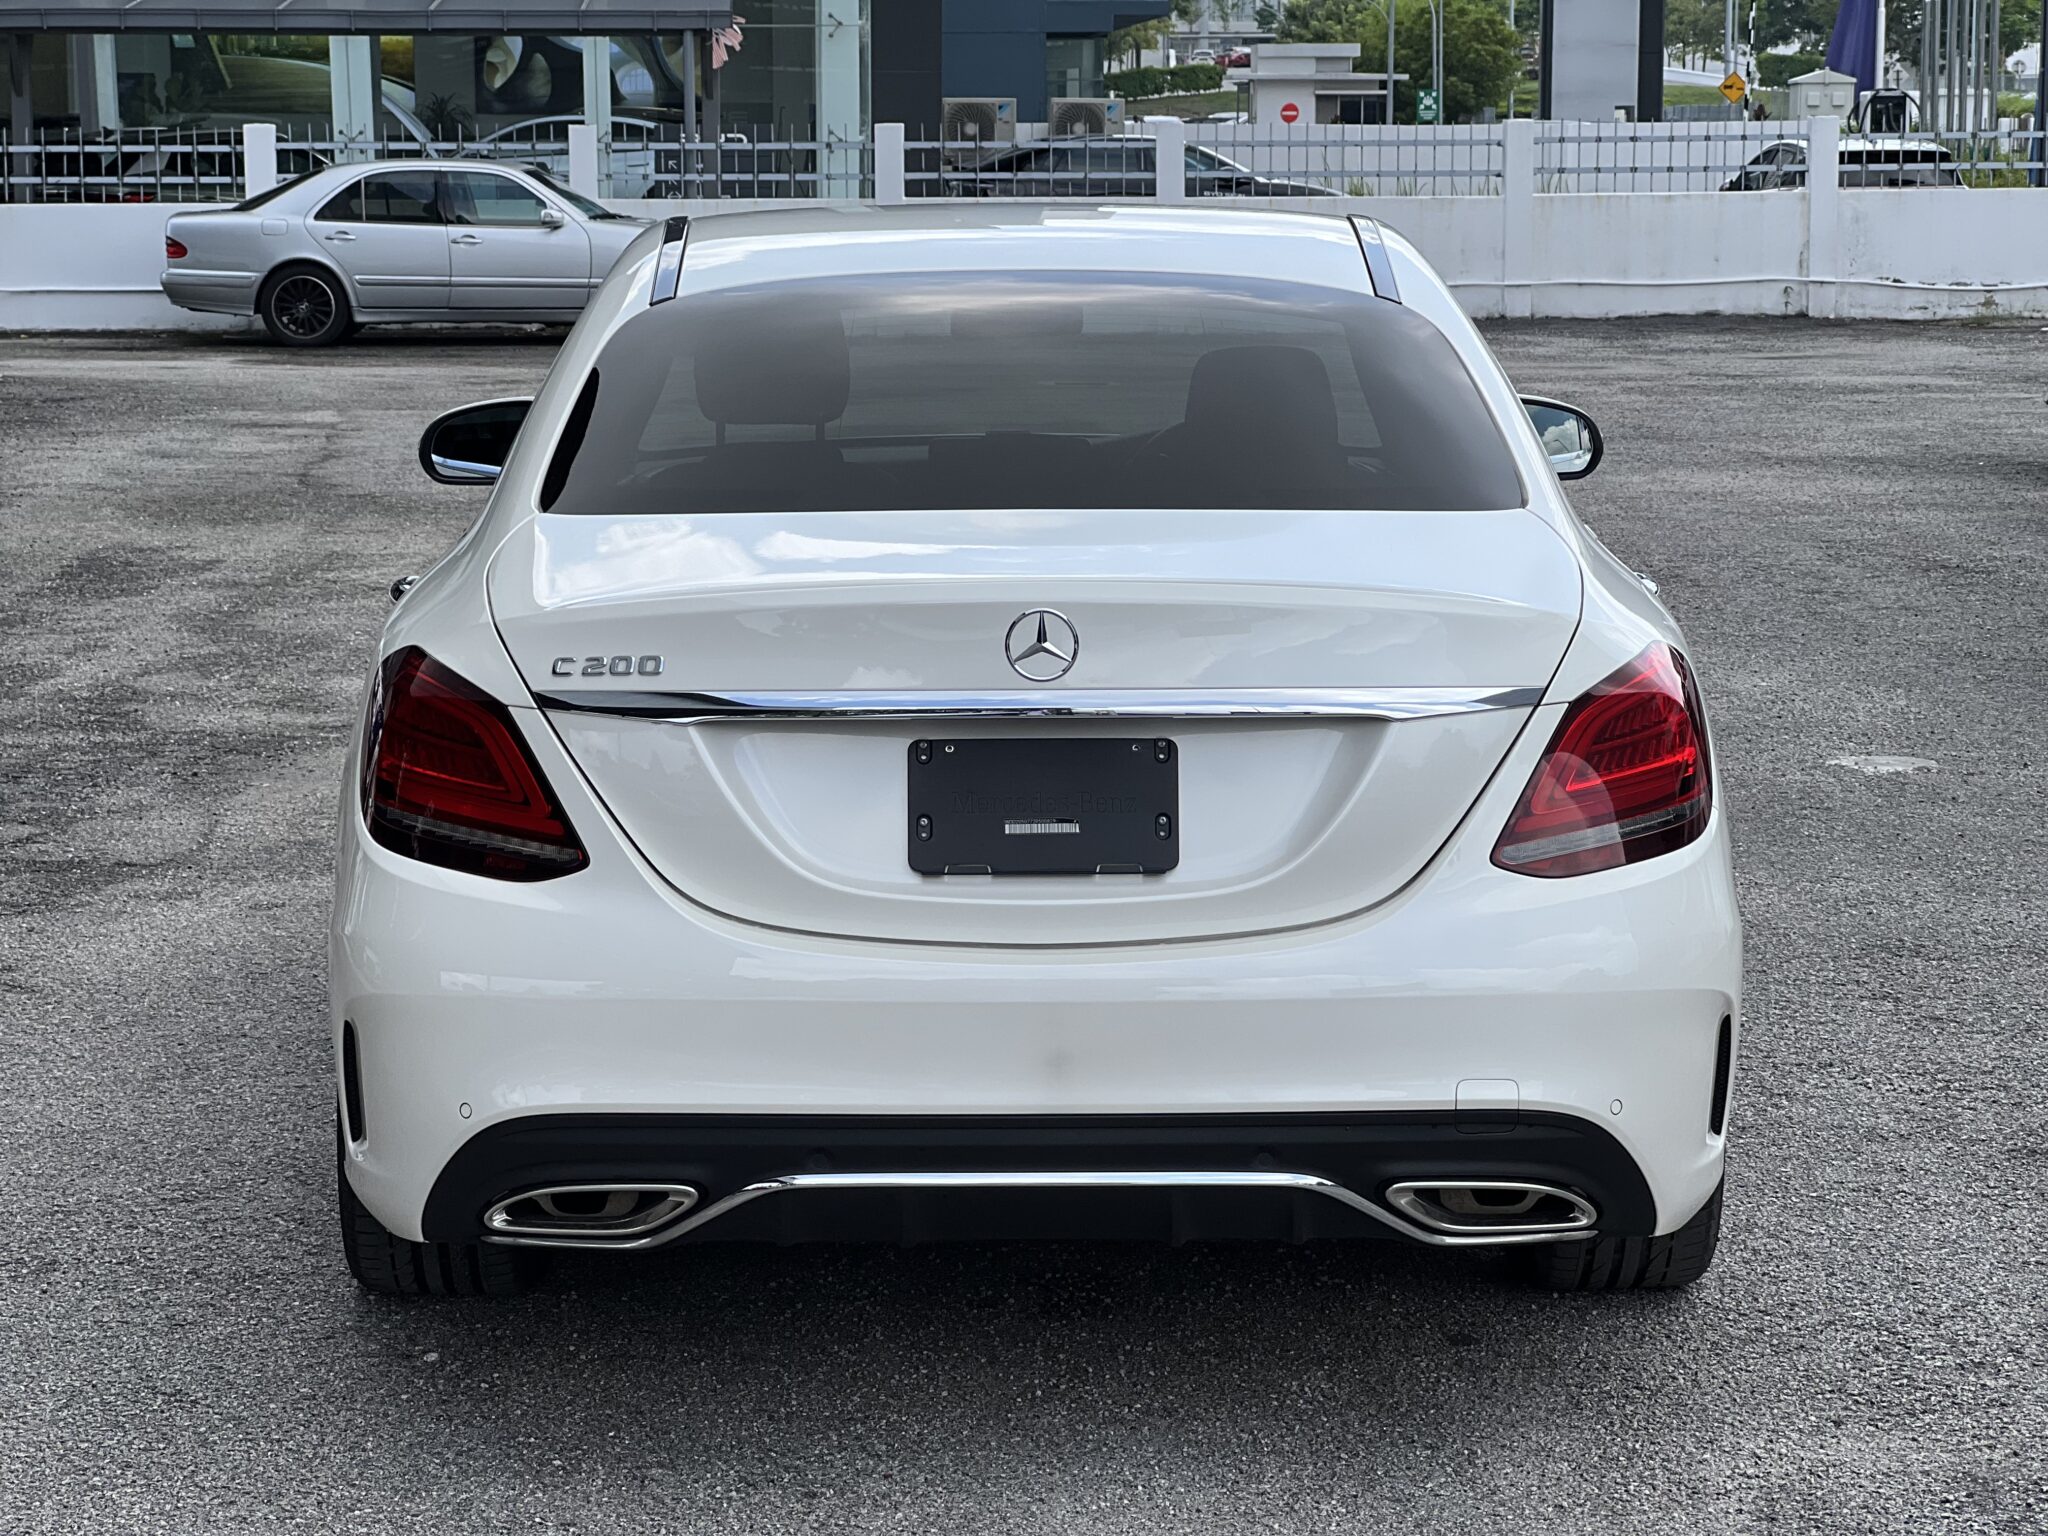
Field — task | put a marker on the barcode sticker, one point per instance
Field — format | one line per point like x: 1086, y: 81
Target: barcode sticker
x: 1038, y: 828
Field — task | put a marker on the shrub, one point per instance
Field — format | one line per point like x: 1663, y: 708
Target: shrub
x: 1181, y: 80
x: 1782, y: 68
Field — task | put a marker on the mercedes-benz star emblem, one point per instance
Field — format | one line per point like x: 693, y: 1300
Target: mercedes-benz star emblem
x: 1042, y: 645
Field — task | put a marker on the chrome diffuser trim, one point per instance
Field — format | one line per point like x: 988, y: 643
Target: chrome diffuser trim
x: 1305, y: 1183
x: 1068, y: 703
x: 1407, y: 1198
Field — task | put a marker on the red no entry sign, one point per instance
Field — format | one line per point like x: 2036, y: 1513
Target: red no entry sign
x: 1289, y: 112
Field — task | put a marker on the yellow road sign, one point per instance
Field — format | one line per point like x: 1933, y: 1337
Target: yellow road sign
x: 1735, y: 87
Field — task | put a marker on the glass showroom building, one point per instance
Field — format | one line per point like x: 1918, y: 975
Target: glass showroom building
x: 444, y: 69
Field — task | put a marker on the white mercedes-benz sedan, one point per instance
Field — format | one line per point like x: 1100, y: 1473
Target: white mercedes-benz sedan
x: 1022, y: 720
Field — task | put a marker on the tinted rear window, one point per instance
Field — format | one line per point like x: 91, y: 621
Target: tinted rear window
x: 400, y: 197
x: 991, y: 391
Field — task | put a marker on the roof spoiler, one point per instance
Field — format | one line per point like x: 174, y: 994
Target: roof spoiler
x: 1379, y: 266
x: 668, y: 271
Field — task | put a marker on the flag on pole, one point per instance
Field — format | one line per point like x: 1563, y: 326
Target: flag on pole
x: 1852, y: 47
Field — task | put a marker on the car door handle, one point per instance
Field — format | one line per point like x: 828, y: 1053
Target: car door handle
x: 465, y: 239
x: 341, y: 234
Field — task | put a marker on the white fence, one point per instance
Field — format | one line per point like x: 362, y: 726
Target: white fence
x: 1520, y: 249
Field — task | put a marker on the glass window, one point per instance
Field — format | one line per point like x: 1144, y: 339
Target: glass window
x: 395, y: 197
x: 479, y: 197
x: 769, y: 88
x: 1074, y: 66
x: 469, y: 86
x: 988, y: 391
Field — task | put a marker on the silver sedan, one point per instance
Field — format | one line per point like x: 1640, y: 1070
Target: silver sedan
x: 391, y: 241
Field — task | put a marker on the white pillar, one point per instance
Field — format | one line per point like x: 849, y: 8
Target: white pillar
x: 891, y: 184
x: 352, y: 92
x: 1823, y: 213
x: 20, y: 113
x: 840, y: 89
x: 583, y: 174
x: 1169, y: 159
x: 95, y: 88
x: 1518, y: 218
x: 259, y: 158
x: 597, y: 109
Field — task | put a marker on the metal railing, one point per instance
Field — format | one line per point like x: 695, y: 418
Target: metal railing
x: 1452, y: 160
x: 652, y: 161
x: 184, y: 165
x: 1655, y: 157
x: 2007, y: 157
x: 1108, y: 166
x: 137, y: 165
x: 1221, y: 160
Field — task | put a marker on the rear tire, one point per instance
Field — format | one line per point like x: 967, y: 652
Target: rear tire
x: 1631, y: 1263
x: 304, y: 306
x: 392, y: 1266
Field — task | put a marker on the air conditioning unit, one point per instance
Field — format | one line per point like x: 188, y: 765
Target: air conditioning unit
x: 979, y: 120
x: 1085, y: 115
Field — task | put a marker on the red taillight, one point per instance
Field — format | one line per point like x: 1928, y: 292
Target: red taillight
x: 174, y: 250
x: 447, y: 779
x: 1626, y: 776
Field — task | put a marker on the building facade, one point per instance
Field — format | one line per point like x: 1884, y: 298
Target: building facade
x: 779, y: 69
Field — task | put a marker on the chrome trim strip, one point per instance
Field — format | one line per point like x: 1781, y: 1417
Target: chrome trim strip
x: 1303, y: 1183
x: 1406, y: 1197
x: 1068, y: 703
x: 483, y: 472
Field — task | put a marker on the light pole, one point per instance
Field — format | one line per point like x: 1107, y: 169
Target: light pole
x: 1436, y: 55
x: 1728, y: 50
x: 2041, y: 104
x: 1388, y: 7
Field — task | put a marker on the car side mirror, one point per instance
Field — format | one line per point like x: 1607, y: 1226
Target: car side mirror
x: 551, y: 218
x: 470, y: 444
x: 1569, y: 436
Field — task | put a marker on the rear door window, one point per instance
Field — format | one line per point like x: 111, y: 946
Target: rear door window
x: 394, y: 197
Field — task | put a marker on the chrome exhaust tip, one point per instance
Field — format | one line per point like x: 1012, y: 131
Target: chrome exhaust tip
x: 1491, y: 1207
x: 588, y: 1215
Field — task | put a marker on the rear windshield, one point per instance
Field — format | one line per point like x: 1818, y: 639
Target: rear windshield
x: 1010, y: 391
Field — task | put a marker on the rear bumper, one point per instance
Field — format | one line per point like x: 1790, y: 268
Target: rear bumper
x: 478, y: 1005
x: 1174, y: 1178
x: 216, y: 293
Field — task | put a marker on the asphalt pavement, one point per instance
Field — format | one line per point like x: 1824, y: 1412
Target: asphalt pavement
x: 196, y: 536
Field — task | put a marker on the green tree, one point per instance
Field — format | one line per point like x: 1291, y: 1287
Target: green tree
x: 1482, y: 53
x: 1696, y: 24
x: 1800, y: 22
x: 2018, y: 25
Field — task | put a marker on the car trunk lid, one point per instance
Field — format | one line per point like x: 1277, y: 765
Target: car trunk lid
x: 744, y: 692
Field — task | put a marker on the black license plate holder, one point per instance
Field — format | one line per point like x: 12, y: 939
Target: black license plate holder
x: 1044, y: 805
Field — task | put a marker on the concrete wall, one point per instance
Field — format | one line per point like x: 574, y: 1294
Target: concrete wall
x: 90, y: 268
